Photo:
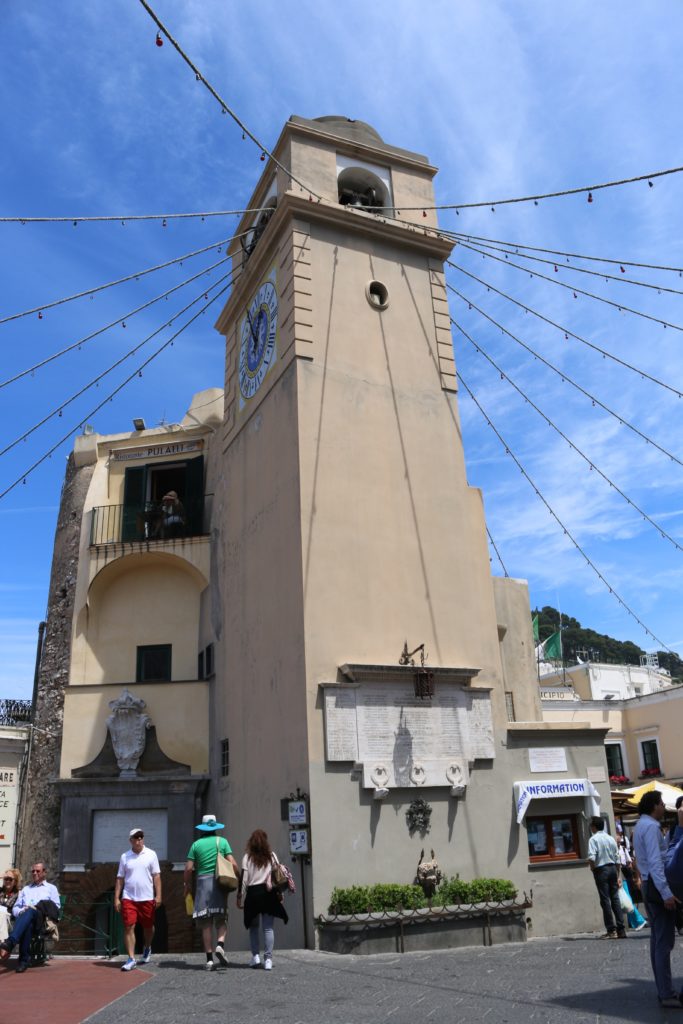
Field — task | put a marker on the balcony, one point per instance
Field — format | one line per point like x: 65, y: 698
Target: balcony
x: 148, y: 523
x: 15, y: 712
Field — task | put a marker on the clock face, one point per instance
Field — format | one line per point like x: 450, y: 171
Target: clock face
x: 258, y: 331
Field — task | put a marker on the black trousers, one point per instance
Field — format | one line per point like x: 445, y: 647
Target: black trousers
x: 607, y: 882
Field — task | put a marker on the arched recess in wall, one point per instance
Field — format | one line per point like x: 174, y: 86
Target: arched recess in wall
x: 361, y: 187
x: 147, y: 600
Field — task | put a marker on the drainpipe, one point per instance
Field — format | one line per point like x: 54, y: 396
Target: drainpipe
x: 36, y: 671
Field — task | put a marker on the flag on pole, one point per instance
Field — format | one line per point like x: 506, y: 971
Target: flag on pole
x: 551, y: 649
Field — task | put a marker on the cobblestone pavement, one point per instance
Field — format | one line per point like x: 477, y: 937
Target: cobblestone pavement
x: 563, y: 981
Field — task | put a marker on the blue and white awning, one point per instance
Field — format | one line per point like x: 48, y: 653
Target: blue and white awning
x: 525, y: 792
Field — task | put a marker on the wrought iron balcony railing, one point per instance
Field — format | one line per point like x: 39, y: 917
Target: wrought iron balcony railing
x: 151, y: 522
x: 15, y: 712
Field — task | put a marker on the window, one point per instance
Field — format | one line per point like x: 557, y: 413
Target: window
x: 225, y: 757
x: 510, y: 705
x: 146, y: 517
x: 650, y: 755
x: 553, y: 838
x: 615, y: 759
x: 205, y: 667
x: 153, y: 664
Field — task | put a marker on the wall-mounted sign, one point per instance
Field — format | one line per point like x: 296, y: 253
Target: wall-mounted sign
x: 299, y: 841
x: 297, y: 812
x: 156, y: 451
x: 547, y: 759
x: 8, y: 805
x: 561, y: 693
x: 525, y: 792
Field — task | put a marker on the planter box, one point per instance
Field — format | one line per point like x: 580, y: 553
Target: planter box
x: 475, y: 924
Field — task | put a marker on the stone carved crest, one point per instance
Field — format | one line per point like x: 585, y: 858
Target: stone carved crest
x: 128, y: 725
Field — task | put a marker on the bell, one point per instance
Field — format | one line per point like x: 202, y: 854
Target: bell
x: 159, y: 41
x: 590, y: 197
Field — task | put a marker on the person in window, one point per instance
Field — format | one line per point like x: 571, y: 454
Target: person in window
x: 603, y: 858
x: 660, y: 902
x: 173, y: 524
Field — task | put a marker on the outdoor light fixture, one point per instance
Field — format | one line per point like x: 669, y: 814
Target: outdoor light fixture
x: 139, y: 423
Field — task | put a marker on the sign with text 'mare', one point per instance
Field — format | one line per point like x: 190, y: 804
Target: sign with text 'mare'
x: 8, y: 804
x: 525, y: 792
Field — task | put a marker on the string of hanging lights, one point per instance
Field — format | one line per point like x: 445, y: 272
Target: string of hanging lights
x: 586, y: 190
x: 136, y: 373
x: 218, y: 246
x: 94, y: 382
x: 30, y: 370
x: 495, y: 548
x: 619, y: 306
x: 486, y: 249
x: 559, y: 252
x: 565, y: 378
x: 592, y: 465
x: 124, y: 218
x: 510, y: 453
x: 225, y: 108
x: 566, y: 330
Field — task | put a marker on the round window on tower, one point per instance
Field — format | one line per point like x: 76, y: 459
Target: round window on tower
x: 377, y: 295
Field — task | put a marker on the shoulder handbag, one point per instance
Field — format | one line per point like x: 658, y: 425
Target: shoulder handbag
x: 280, y: 877
x: 225, y: 873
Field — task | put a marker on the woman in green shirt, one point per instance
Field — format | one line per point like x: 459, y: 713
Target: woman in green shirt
x: 210, y: 901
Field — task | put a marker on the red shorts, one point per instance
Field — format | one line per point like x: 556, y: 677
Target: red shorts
x: 138, y: 913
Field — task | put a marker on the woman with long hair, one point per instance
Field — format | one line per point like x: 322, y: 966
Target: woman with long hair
x: 11, y: 885
x: 261, y: 903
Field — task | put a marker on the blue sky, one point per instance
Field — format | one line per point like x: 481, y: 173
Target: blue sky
x: 506, y: 100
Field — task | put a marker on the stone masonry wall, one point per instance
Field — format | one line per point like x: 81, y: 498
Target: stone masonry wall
x: 39, y: 828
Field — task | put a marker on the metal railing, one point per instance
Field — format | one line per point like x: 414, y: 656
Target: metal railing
x: 146, y: 523
x: 402, y: 919
x: 15, y: 712
x: 89, y: 928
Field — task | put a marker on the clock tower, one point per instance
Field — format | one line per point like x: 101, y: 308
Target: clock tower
x: 347, y: 543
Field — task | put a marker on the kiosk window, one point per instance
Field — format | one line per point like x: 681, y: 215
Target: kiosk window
x: 553, y: 838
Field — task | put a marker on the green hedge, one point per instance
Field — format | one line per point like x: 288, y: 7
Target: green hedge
x: 362, y: 899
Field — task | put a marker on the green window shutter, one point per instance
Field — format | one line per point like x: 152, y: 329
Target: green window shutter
x: 133, y: 502
x: 194, y: 496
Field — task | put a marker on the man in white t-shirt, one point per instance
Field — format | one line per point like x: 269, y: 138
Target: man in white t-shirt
x: 137, y: 894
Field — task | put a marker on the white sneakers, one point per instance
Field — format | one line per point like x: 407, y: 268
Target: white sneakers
x: 255, y: 961
x: 146, y: 954
x: 129, y: 965
x: 209, y: 966
x: 268, y: 965
x: 219, y: 953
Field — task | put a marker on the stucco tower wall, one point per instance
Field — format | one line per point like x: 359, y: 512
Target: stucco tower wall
x: 39, y: 835
x: 260, y: 697
x: 394, y: 540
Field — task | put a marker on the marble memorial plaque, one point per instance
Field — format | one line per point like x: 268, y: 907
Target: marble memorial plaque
x: 401, y: 740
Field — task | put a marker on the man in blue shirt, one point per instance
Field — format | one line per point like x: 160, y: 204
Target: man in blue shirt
x: 603, y: 858
x: 36, y: 899
x: 649, y: 847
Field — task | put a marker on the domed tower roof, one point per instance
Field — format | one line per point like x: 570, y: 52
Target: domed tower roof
x: 349, y: 128
x: 358, y: 133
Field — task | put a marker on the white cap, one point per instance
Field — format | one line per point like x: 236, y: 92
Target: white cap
x: 135, y: 832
